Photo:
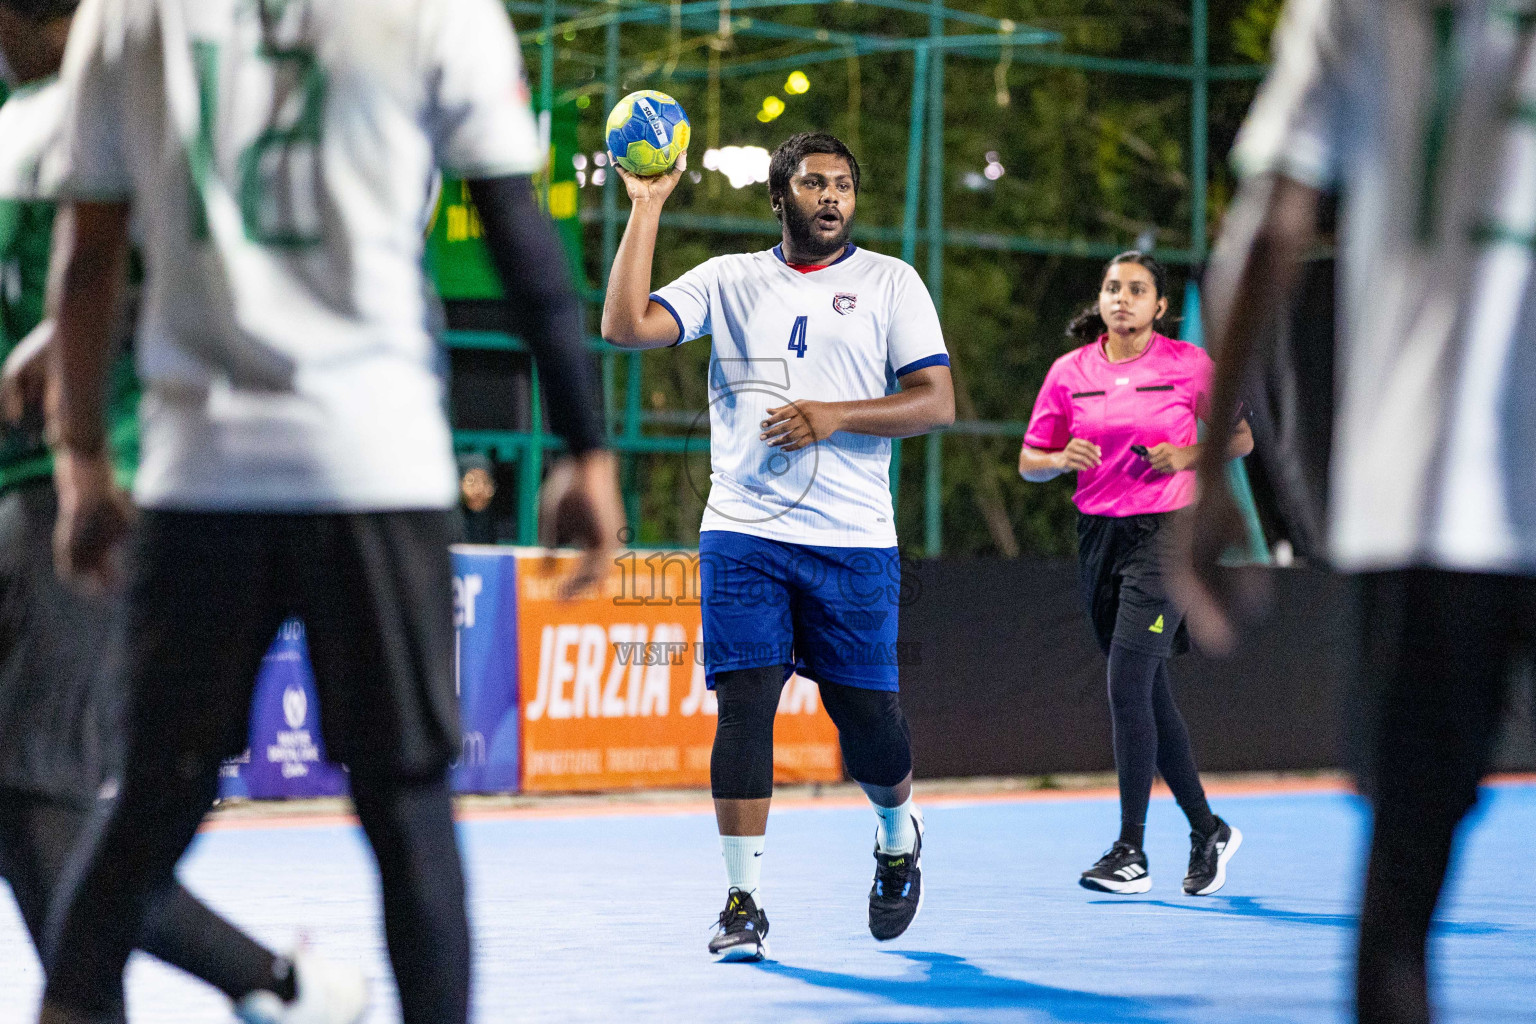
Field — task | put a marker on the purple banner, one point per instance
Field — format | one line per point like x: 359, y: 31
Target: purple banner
x: 286, y: 758
x: 485, y: 669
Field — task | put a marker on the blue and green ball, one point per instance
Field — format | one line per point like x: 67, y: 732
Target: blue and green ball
x: 647, y: 132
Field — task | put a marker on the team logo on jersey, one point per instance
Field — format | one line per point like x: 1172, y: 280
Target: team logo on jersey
x: 844, y: 303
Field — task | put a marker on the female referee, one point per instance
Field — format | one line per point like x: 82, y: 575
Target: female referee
x: 1121, y: 412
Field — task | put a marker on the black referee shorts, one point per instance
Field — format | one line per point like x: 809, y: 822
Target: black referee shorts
x: 1121, y: 573
x: 375, y: 590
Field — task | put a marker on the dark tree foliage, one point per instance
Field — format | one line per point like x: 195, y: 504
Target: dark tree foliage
x: 1096, y: 157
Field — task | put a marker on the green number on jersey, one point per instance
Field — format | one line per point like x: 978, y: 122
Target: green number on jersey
x: 1448, y: 76
x: 273, y: 207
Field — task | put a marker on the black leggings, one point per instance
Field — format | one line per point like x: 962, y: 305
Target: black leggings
x: 409, y: 823
x: 877, y: 745
x: 206, y: 595
x: 1150, y: 736
x: 410, y: 826
x: 38, y: 835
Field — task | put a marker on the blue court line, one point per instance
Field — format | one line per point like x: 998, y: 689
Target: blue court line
x: 604, y: 918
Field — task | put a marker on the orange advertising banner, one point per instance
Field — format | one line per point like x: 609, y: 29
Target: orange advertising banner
x: 613, y: 693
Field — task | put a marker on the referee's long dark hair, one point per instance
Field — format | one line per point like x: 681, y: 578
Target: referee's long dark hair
x: 1089, y: 325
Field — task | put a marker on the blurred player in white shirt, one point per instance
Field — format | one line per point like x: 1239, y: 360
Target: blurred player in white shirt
x: 823, y: 352
x: 1423, y: 118
x: 277, y: 157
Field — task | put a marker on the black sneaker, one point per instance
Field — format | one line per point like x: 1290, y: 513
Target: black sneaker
x: 1122, y: 870
x: 1208, y: 856
x: 742, y: 933
x: 897, y: 894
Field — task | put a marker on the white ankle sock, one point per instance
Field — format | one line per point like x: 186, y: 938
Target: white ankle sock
x: 743, y: 863
x: 897, y: 833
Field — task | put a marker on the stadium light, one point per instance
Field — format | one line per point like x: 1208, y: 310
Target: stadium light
x: 741, y: 165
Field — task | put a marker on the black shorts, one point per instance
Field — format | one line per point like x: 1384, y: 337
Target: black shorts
x: 60, y: 690
x: 1438, y: 651
x: 208, y: 592
x: 1121, y: 572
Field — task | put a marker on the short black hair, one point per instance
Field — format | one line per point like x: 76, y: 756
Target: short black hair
x: 41, y: 10
x: 795, y: 149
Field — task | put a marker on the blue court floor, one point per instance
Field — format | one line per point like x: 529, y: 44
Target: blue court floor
x: 604, y: 918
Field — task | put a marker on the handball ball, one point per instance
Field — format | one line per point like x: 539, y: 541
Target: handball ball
x: 647, y: 132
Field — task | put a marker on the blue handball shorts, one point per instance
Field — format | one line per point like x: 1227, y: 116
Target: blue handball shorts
x: 829, y: 612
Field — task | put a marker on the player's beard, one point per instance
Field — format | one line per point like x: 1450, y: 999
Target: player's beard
x: 804, y: 240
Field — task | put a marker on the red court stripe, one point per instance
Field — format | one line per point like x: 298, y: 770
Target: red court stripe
x: 702, y: 805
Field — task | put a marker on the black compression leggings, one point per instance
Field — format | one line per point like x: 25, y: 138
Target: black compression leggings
x: 135, y: 847
x: 37, y: 837
x: 410, y: 826
x: 877, y: 745
x: 1150, y: 737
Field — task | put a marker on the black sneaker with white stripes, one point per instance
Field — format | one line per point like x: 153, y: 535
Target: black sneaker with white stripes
x: 897, y: 894
x: 1208, y: 856
x: 1122, y: 870
x: 742, y: 933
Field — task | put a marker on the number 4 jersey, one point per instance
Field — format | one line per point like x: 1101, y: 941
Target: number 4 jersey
x: 280, y: 156
x: 841, y: 333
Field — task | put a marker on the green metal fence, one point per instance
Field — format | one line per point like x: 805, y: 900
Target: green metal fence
x: 634, y: 433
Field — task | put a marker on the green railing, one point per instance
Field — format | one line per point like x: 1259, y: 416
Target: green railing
x: 925, y: 154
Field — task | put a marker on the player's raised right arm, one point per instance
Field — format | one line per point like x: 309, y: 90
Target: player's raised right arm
x: 631, y: 319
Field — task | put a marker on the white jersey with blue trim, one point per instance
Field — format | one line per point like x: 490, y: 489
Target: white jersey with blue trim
x: 841, y: 333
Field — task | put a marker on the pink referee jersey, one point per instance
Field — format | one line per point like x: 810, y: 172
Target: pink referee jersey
x: 1158, y: 396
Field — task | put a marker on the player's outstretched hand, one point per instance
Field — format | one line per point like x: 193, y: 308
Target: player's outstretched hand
x: 94, y: 516
x: 1215, y: 599
x: 800, y: 425
x: 24, y: 380
x: 653, y: 190
x: 579, y: 504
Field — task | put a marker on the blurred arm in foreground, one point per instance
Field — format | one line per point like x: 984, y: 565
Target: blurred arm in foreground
x: 1252, y: 275
x: 580, y: 500
x: 89, y: 272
